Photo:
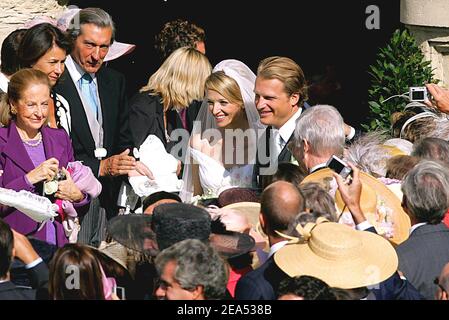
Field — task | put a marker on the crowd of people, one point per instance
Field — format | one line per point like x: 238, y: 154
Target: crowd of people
x: 211, y: 182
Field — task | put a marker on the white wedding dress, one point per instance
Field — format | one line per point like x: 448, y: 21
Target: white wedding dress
x: 215, y: 178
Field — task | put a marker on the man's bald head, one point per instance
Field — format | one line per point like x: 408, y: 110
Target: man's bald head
x: 280, y: 202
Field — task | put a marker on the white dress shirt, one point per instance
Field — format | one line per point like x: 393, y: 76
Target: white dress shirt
x: 288, y: 128
x: 416, y: 226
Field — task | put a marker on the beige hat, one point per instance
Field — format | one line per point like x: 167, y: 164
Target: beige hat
x: 250, y: 211
x: 380, y: 205
x: 339, y: 255
x: 115, y: 251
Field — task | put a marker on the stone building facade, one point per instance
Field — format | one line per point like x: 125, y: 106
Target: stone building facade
x: 428, y: 20
x: 14, y: 13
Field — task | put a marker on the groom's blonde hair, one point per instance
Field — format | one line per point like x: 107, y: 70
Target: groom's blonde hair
x: 288, y: 72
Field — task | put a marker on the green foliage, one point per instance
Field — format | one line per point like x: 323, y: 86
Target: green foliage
x: 398, y: 66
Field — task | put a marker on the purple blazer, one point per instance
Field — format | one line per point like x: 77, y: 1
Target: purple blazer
x: 15, y: 163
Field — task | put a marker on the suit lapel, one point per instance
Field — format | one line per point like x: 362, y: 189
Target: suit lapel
x: 192, y: 112
x: 80, y: 125
x: 160, y: 120
x: 285, y: 154
x: 16, y: 151
x: 173, y: 121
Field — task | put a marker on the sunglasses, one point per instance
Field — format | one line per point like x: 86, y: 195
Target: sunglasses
x: 436, y: 281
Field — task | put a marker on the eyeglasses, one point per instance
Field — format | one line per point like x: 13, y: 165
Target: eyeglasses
x: 437, y: 282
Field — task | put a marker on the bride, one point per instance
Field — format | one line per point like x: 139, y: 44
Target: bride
x: 221, y: 152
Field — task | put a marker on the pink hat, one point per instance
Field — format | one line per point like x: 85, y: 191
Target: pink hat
x: 116, y: 50
x: 38, y: 20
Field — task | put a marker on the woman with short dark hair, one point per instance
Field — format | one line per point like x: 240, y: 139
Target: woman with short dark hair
x: 44, y: 47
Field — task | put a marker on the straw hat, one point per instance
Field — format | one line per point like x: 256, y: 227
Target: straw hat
x: 380, y: 205
x: 403, y: 145
x: 393, y: 150
x: 339, y: 255
x: 116, y: 252
x: 250, y: 210
x: 235, y: 214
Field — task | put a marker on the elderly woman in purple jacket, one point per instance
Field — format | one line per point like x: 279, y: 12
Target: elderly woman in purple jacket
x: 32, y: 153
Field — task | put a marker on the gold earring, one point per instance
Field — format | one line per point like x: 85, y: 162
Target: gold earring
x: 13, y: 110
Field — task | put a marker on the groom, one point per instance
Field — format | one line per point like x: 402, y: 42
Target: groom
x: 280, y: 95
x: 281, y: 92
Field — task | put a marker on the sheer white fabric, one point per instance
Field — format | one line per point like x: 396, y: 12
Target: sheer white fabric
x: 214, y: 177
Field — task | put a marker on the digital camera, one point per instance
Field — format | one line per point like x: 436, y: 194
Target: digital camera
x: 418, y: 94
x: 339, y: 166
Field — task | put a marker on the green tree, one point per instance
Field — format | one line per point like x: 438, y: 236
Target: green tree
x: 398, y: 66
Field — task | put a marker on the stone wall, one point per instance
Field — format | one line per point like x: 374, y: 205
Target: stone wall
x: 429, y: 23
x: 14, y: 13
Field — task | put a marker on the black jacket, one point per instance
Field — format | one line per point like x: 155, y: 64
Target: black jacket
x: 39, y: 279
x: 146, y: 117
x: 117, y: 136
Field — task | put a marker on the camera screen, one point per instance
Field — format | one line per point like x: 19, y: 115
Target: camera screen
x: 336, y: 165
x: 417, y: 95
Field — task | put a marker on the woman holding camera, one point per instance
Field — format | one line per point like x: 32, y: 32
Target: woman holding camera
x: 32, y: 153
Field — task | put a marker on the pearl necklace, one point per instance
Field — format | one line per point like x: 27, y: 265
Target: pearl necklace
x: 34, y: 144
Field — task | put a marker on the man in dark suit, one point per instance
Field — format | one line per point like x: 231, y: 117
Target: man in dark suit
x: 319, y: 134
x: 13, y: 244
x: 280, y: 90
x: 395, y: 287
x: 423, y: 255
x: 99, y: 114
x: 280, y: 203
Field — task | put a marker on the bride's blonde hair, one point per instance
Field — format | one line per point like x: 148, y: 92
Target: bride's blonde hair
x: 226, y: 86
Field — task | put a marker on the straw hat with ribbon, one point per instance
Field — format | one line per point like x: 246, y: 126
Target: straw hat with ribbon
x: 380, y: 205
x: 337, y: 254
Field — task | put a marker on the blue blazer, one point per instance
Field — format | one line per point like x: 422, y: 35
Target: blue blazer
x: 261, y: 283
x: 15, y: 163
x: 423, y: 255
